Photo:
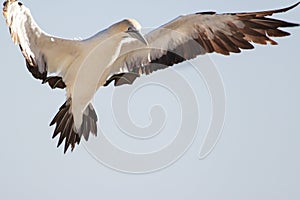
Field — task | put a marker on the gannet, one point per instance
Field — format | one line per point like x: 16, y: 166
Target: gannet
x: 83, y: 66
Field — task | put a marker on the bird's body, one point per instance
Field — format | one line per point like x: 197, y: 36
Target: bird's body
x: 83, y: 66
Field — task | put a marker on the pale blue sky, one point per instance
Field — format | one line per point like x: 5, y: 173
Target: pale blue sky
x: 256, y: 158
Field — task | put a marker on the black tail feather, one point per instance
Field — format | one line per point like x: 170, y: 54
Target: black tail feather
x: 65, y: 125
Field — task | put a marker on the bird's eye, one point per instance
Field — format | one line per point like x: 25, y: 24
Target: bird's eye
x: 4, y: 4
x: 130, y: 29
x: 20, y: 3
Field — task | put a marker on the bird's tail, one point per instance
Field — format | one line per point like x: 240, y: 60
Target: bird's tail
x: 64, y: 121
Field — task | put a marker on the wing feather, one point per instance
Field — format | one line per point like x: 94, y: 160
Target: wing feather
x: 43, y: 53
x: 188, y: 36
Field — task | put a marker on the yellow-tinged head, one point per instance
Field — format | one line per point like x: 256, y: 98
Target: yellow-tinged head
x: 133, y: 23
x: 129, y: 28
x: 125, y: 24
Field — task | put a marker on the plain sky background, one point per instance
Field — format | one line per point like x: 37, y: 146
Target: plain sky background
x: 256, y: 158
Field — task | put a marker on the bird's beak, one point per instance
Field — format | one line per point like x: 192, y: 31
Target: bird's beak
x: 138, y: 35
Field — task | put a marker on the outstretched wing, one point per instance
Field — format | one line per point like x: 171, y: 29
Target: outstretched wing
x: 189, y: 36
x: 43, y: 53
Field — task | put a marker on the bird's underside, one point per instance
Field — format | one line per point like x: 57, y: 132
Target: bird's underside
x: 182, y: 39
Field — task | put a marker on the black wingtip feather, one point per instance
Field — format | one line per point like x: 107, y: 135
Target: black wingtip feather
x: 122, y: 79
x: 55, y: 82
x: 267, y: 13
x: 287, y: 8
x: 293, y: 6
x: 206, y: 13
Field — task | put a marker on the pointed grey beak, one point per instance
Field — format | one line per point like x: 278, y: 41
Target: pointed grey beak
x: 138, y: 35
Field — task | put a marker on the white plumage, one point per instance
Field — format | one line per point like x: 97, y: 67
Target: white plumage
x: 83, y: 66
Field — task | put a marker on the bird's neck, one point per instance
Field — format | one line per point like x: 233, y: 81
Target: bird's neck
x: 105, y: 35
x: 107, y: 40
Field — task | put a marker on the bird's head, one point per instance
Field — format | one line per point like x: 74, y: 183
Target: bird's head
x: 130, y: 28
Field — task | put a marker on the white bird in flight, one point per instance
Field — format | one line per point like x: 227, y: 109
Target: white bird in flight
x: 83, y: 66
